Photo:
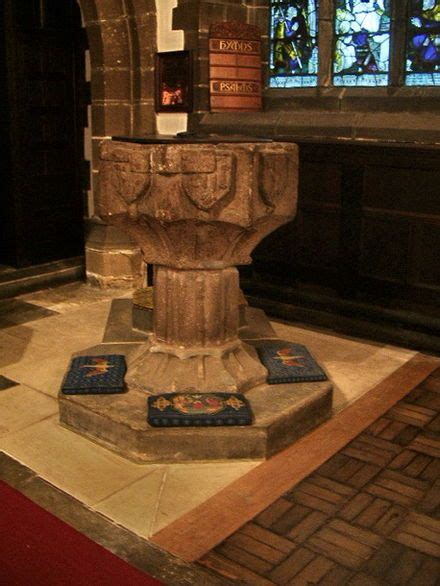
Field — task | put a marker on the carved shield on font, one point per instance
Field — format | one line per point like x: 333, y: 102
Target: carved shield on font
x: 128, y: 185
x: 207, y: 189
x: 275, y: 176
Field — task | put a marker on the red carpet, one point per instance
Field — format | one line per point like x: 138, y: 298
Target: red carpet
x: 38, y: 549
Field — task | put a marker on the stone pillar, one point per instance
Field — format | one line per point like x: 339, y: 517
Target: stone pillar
x: 197, y: 311
x: 112, y: 258
x: 122, y: 43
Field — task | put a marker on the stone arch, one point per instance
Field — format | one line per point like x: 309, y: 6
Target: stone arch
x: 122, y: 42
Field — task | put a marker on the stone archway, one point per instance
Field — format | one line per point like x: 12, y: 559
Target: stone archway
x: 122, y: 43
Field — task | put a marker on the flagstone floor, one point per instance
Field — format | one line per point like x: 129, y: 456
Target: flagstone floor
x: 38, y: 334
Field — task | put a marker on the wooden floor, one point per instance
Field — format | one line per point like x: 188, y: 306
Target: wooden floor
x: 369, y: 515
x: 197, y: 532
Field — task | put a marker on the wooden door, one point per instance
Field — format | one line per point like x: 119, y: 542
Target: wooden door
x: 42, y: 128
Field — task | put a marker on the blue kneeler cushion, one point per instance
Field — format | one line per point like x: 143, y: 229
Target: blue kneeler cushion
x: 95, y: 375
x: 287, y: 362
x: 198, y: 410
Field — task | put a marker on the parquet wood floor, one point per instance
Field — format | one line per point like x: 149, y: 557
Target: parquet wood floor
x: 200, y: 530
x: 368, y: 515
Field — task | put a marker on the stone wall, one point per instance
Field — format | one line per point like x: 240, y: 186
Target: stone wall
x: 122, y: 43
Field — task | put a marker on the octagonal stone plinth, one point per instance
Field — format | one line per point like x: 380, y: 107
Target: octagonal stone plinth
x: 282, y: 413
x: 118, y: 422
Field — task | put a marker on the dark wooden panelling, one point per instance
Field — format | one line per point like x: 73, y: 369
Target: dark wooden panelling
x: 384, y: 248
x: 348, y: 238
x: 426, y: 258
x: 368, y: 223
x: 407, y: 190
x: 320, y: 182
x: 283, y: 245
x: 318, y: 238
x: 58, y: 14
x: 7, y: 232
x: 27, y: 13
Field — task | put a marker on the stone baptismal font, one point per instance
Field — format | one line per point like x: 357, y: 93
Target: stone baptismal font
x: 197, y: 208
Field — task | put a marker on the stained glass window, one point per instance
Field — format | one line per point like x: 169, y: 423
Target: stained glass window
x: 423, y: 43
x: 362, y: 43
x: 293, y: 43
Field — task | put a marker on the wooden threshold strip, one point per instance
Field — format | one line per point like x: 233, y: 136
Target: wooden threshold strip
x: 198, y: 531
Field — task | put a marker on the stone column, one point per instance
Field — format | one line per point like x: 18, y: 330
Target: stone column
x: 112, y: 258
x: 197, y: 311
x: 122, y: 43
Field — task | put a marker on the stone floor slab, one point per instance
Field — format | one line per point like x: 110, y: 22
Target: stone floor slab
x: 16, y: 311
x: 70, y: 462
x: 72, y: 296
x: 188, y: 485
x: 135, y: 506
x: 21, y: 407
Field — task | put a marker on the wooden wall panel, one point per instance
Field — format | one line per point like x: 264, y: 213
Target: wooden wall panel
x: 368, y: 223
x: 320, y: 182
x: 280, y: 245
x: 425, y: 261
x: 406, y: 190
x: 384, y: 248
x: 235, y: 81
x: 318, y: 245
